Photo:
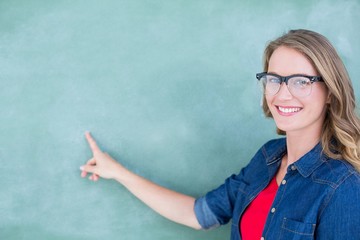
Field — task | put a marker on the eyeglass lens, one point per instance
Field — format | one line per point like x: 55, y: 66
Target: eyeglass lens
x: 297, y: 86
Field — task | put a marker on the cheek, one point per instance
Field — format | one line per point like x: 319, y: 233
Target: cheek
x: 268, y: 100
x: 270, y: 108
x: 321, y: 96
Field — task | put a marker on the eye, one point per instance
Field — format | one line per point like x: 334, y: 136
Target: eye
x: 272, y: 79
x: 300, y: 82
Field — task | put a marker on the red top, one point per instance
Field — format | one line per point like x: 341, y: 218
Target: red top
x: 253, y: 220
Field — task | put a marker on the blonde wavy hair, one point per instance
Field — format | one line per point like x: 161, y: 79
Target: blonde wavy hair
x: 340, y: 137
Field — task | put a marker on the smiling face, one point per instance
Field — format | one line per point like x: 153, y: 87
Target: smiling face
x: 303, y: 115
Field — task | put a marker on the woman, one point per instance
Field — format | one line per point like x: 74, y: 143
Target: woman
x: 303, y: 186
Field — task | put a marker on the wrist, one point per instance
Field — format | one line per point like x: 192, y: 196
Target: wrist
x: 121, y: 174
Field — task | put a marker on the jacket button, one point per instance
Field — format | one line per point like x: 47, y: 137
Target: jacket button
x: 283, y: 182
x: 293, y: 167
x: 273, y: 210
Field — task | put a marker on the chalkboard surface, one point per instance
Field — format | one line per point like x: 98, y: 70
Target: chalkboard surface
x: 166, y: 87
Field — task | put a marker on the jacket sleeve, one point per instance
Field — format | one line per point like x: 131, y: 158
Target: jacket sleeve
x: 216, y: 207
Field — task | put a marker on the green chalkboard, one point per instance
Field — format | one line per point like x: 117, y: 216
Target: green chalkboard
x: 166, y: 87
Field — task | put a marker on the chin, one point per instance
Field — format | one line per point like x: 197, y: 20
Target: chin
x: 285, y: 127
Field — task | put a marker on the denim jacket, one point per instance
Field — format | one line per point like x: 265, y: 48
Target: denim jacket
x: 319, y: 197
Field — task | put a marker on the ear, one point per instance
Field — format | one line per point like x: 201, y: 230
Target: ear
x: 328, y: 98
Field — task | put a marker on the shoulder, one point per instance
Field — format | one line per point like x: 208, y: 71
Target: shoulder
x: 264, y: 160
x: 273, y: 149
x: 267, y: 154
x: 343, y: 191
x: 337, y: 173
x: 341, y: 211
x: 343, y: 200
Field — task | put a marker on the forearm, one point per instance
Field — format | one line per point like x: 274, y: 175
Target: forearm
x: 170, y: 204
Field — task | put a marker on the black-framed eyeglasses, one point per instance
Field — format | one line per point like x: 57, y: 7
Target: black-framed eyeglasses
x: 299, y: 85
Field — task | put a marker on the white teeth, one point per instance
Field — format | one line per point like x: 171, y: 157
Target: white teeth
x: 289, y: 110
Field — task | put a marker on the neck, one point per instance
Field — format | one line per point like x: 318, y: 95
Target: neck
x: 298, y: 145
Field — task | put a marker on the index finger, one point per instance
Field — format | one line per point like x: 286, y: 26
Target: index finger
x: 94, y: 147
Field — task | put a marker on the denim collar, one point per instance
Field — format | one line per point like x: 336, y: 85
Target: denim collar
x: 306, y: 165
x: 274, y: 150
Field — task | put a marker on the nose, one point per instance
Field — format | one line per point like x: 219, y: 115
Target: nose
x: 284, y: 92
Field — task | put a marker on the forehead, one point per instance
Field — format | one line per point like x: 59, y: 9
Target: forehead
x: 286, y: 61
